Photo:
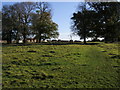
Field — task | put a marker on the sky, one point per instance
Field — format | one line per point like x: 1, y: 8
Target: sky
x: 62, y: 12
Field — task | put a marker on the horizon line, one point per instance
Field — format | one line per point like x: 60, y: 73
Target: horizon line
x: 60, y: 0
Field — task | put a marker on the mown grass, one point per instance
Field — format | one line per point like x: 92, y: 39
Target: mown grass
x: 61, y: 66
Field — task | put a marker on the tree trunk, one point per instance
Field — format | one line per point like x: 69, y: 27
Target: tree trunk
x: 9, y: 38
x: 84, y: 40
x: 17, y: 41
x: 106, y: 40
x: 37, y: 40
x: 84, y: 33
x: 17, y: 38
x: 40, y: 39
x: 9, y: 41
x: 96, y: 37
x: 24, y: 35
x: 24, y: 38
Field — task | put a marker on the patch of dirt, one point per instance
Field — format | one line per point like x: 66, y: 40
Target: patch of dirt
x: 12, y: 82
x: 52, y: 51
x: 23, y: 83
x: 6, y: 67
x: 56, y: 69
x: 111, y: 54
x: 48, y: 63
x: 116, y: 66
x: 50, y: 76
x: 104, y: 51
x: 26, y: 61
x: 77, y: 54
x: 18, y: 76
x: 46, y: 56
x: 31, y: 51
x: 116, y: 56
x: 15, y: 62
x: 37, y: 77
x: 8, y: 73
x: 15, y: 58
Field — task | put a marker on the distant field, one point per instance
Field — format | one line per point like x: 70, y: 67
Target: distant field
x: 61, y: 66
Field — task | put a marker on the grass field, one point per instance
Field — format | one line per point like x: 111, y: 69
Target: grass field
x: 61, y: 66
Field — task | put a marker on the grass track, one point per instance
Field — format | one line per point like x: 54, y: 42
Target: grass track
x: 61, y: 66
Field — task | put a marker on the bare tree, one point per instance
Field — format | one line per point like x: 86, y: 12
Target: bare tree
x: 24, y: 11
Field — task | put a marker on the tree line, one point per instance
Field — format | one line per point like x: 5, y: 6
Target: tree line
x: 97, y: 19
x: 28, y: 19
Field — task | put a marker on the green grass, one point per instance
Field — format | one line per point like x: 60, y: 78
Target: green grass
x: 61, y: 66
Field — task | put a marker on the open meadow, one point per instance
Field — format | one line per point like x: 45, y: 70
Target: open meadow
x: 61, y: 66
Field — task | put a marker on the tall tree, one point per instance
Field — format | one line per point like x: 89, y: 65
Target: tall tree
x: 16, y: 20
x: 99, y: 19
x: 107, y: 19
x: 20, y: 17
x: 43, y: 26
x: 82, y: 22
x: 7, y: 23
x: 24, y: 11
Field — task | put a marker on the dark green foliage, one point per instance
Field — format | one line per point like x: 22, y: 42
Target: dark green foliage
x: 16, y: 20
x: 108, y: 16
x: 43, y: 26
x: 81, y: 20
x: 20, y: 21
x: 98, y: 19
x: 7, y: 23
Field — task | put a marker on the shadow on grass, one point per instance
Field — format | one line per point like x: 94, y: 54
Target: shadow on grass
x: 116, y: 56
x: 50, y: 43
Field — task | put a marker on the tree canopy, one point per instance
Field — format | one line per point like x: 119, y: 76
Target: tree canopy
x: 25, y: 19
x: 97, y: 19
x: 43, y: 26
